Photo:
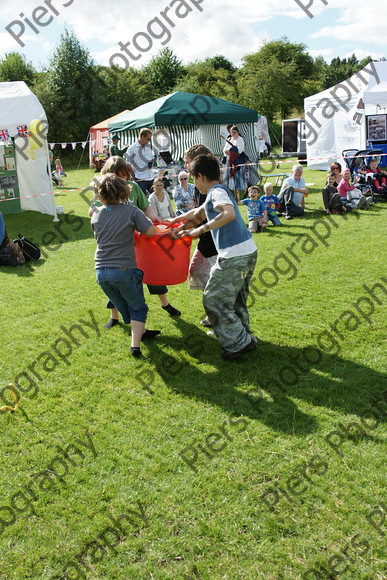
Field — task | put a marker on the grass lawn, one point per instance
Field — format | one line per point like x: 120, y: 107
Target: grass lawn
x: 179, y: 465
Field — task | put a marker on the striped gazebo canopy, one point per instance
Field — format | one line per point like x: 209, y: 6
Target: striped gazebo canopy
x: 187, y: 119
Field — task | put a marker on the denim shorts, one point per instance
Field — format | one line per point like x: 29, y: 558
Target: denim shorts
x: 124, y: 288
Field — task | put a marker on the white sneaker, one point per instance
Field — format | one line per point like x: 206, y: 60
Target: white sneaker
x: 205, y: 322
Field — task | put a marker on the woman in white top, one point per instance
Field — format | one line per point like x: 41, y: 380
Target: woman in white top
x: 160, y: 202
x: 236, y: 183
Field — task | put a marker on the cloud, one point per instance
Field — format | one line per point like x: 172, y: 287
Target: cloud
x: 222, y: 27
x: 359, y: 24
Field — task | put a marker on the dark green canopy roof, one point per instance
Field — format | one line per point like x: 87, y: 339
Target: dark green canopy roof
x: 184, y: 109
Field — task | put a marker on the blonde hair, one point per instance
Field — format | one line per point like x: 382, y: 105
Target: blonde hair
x: 266, y: 185
x: 117, y: 165
x: 196, y: 150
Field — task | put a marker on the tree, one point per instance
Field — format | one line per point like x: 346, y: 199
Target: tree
x: 341, y: 69
x: 270, y: 89
x: 14, y: 67
x: 285, y: 51
x: 69, y: 91
x: 123, y: 89
x: 205, y: 79
x: 277, y: 78
x: 164, y: 70
x: 220, y: 62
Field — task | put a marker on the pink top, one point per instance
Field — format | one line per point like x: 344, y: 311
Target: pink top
x: 344, y: 186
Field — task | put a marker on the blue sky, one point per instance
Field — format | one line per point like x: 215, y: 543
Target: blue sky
x: 224, y: 27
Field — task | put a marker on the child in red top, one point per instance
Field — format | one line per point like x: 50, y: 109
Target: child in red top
x: 378, y: 179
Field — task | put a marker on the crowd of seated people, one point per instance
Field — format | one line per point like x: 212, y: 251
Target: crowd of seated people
x: 344, y: 192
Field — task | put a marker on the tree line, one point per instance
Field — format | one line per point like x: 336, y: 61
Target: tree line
x: 76, y: 93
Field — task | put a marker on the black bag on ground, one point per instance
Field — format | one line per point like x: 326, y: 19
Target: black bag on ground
x: 29, y: 249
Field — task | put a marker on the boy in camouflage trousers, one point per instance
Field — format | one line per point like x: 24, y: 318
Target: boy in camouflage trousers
x: 225, y: 295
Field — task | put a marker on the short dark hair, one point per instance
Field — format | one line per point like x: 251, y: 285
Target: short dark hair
x: 207, y: 165
x: 112, y: 189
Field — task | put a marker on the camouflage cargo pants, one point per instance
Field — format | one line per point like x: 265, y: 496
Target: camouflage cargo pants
x: 225, y: 300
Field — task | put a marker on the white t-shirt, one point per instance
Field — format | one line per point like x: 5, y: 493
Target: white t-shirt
x: 139, y: 157
x: 238, y: 142
x: 220, y: 197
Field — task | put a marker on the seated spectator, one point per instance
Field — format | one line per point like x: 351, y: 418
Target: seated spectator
x: 160, y: 202
x: 292, y: 193
x: 10, y: 253
x: 256, y: 210
x: 351, y: 196
x: 272, y: 204
x: 183, y: 194
x: 331, y: 197
x: 335, y: 168
x: 379, y: 182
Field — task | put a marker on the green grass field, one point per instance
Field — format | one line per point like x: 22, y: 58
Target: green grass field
x: 180, y: 465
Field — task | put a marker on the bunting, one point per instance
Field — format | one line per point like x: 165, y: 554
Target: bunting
x: 4, y: 135
x: 72, y: 143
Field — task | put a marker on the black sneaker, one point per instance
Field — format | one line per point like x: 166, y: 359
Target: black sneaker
x: 150, y: 334
x: 136, y: 351
x: 171, y: 310
x: 112, y: 322
x: 226, y: 355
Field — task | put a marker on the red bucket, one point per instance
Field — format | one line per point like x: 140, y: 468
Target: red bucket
x: 163, y: 260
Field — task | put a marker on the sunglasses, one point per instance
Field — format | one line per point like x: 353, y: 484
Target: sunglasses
x: 183, y: 178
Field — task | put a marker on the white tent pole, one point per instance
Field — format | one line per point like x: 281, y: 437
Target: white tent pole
x: 83, y: 150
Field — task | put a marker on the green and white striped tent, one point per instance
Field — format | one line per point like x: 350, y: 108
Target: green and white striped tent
x: 185, y: 119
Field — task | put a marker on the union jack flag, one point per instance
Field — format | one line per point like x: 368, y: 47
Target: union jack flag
x: 4, y: 135
x: 22, y: 130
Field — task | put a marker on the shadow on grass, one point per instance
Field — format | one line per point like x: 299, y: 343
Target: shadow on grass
x: 262, y: 384
x: 47, y: 234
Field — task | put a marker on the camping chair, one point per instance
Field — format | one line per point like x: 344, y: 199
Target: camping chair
x: 349, y: 158
x: 356, y: 160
